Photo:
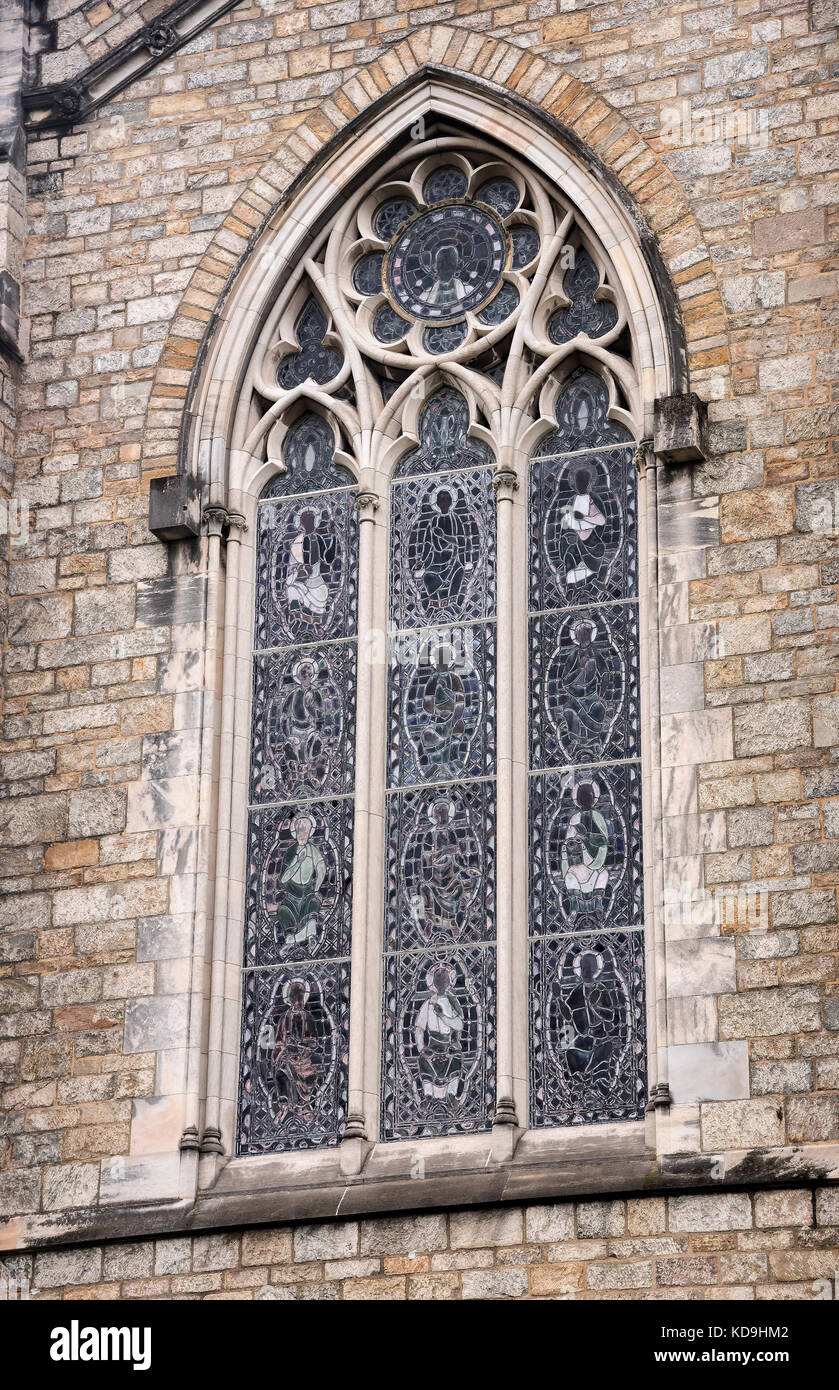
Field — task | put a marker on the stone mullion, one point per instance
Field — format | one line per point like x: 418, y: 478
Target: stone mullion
x: 505, y: 483
x: 359, y: 1118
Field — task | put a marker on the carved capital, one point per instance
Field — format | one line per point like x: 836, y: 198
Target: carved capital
x: 505, y: 482
x: 367, y: 504
x: 644, y: 457
x: 220, y: 522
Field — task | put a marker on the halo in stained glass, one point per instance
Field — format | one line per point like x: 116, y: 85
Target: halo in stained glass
x: 447, y: 261
x: 388, y: 326
x: 367, y: 276
x: 392, y: 216
x: 500, y: 194
x: 447, y: 182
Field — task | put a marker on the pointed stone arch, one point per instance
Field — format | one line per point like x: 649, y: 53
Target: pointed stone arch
x: 195, y: 379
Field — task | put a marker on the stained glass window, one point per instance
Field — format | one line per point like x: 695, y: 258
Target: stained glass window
x: 439, y: 976
x: 299, y: 853
x: 587, y: 1018
x: 450, y: 301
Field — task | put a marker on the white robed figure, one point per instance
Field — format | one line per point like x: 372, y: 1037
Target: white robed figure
x: 305, y: 583
x: 437, y: 1031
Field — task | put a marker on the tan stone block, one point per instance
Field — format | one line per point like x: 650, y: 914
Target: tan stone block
x: 72, y: 854
x: 557, y: 1278
x: 756, y: 513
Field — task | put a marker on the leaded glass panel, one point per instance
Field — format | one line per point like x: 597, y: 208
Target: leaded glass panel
x: 587, y: 1040
x: 439, y: 1043
x: 295, y: 1057
x: 298, y: 900
x: 588, y: 1028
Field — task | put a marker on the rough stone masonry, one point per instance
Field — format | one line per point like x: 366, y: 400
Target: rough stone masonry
x: 121, y: 228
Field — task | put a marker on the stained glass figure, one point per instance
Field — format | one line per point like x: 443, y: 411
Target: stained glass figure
x: 585, y: 314
x: 442, y: 533
x: 588, y: 1038
x: 441, y: 845
x: 299, y: 881
x: 584, y: 686
x: 443, y: 712
x: 303, y: 723
x: 305, y: 569
x: 294, y: 1085
x: 583, y: 529
x: 298, y: 900
x: 314, y: 359
x: 439, y: 1043
x: 448, y: 260
x: 587, y: 1056
x: 439, y: 1049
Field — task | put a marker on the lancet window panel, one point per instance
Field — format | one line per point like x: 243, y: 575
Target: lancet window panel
x: 439, y: 1016
x: 298, y: 907
x: 587, y: 1008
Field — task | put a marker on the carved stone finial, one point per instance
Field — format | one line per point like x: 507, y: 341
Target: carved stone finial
x: 505, y: 482
x: 189, y: 1139
x: 367, y: 503
x: 660, y: 1096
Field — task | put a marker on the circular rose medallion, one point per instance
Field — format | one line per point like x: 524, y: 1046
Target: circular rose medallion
x: 447, y: 261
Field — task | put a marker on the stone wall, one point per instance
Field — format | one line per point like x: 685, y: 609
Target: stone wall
x: 780, y: 1244
x: 135, y: 221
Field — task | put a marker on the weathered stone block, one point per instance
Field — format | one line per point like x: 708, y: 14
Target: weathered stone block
x: 494, y: 1226
x: 742, y: 1124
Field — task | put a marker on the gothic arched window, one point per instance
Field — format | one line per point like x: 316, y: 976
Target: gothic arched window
x: 444, y: 924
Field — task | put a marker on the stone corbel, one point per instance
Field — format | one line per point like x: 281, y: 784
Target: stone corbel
x: 174, y: 512
x: 680, y: 431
